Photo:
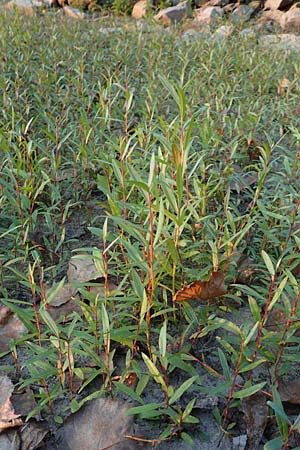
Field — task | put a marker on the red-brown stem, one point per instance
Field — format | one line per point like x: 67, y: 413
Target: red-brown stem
x: 35, y: 308
x: 60, y: 362
x: 233, y: 384
x: 291, y: 429
x: 166, y: 380
x: 48, y: 394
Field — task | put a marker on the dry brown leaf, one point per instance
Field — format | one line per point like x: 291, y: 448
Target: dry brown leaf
x: 8, y: 417
x: 10, y: 440
x: 255, y: 409
x: 253, y: 150
x: 99, y: 424
x: 284, y: 86
x: 289, y: 391
x: 32, y: 434
x: 10, y: 327
x: 203, y: 290
x: 245, y: 269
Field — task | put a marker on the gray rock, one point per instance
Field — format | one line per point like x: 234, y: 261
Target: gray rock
x: 290, y: 21
x: 27, y: 7
x: 174, y: 14
x: 277, y: 4
x: 195, y: 34
x: 208, y: 14
x: 224, y: 31
x: 247, y: 33
x: 74, y: 12
x: 242, y: 13
x: 229, y: 8
x: 285, y: 42
x: 219, y: 3
x: 239, y: 442
x: 141, y: 9
x: 274, y: 15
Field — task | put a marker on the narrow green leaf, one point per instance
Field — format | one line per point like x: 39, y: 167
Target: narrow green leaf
x: 128, y: 391
x: 224, y: 364
x: 274, y: 444
x: 279, y: 410
x: 143, y: 409
x: 255, y: 310
x: 154, y: 371
x: 163, y: 340
x: 49, y: 321
x: 181, y: 390
x: 247, y: 392
x: 187, y: 438
x: 268, y: 263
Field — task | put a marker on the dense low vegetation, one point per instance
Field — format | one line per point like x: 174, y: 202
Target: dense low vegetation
x: 179, y: 159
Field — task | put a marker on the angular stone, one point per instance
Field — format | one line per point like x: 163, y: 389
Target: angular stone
x: 284, y: 42
x: 242, y: 13
x: 174, y: 14
x: 224, y: 31
x: 274, y: 15
x: 208, y: 14
x: 219, y: 3
x: 27, y: 7
x: 247, y: 33
x: 290, y: 21
x: 277, y: 4
x: 141, y: 9
x: 73, y: 12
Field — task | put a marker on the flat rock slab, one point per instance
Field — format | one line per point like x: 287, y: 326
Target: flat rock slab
x: 287, y: 42
x: 100, y: 424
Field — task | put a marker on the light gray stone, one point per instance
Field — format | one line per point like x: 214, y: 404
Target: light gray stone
x: 208, y: 14
x: 27, y: 7
x: 274, y: 15
x: 277, y: 4
x: 141, y: 9
x: 285, y: 42
x: 224, y: 31
x: 290, y: 21
x: 247, y: 33
x: 242, y: 13
x: 174, y: 14
x: 74, y: 13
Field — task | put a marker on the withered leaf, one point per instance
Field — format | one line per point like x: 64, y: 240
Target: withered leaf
x: 203, y: 290
x: 32, y: 434
x: 10, y: 440
x: 11, y: 327
x: 8, y: 417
